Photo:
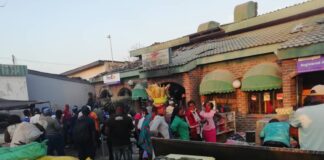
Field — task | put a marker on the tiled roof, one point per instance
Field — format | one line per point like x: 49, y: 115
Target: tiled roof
x: 266, y: 36
x: 126, y: 67
x: 310, y: 34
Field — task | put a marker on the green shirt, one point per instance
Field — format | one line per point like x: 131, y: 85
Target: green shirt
x: 181, y: 127
x: 276, y: 131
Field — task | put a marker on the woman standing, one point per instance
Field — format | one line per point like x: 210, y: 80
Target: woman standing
x: 209, y: 129
x: 193, y: 119
x: 178, y: 124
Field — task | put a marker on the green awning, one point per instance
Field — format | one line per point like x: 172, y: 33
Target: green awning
x: 217, y: 81
x: 139, y: 92
x: 264, y: 76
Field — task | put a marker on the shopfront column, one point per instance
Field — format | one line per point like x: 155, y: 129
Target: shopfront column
x: 288, y: 68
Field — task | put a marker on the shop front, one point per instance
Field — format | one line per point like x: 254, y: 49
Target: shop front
x: 217, y: 87
x: 310, y: 72
x: 263, y: 85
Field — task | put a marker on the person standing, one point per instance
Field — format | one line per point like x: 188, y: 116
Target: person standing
x: 276, y: 134
x: 84, y: 135
x: 309, y: 121
x: 169, y: 111
x: 53, y: 133
x: 159, y: 127
x: 209, y: 127
x: 119, y: 127
x: 178, y: 124
x: 26, y: 116
x: 67, y: 124
x: 91, y: 100
x: 35, y: 119
x: 193, y: 119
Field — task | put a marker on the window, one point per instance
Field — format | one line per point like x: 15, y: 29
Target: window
x: 224, y: 102
x: 265, y: 102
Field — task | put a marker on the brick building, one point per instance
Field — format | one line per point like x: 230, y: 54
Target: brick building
x: 262, y: 54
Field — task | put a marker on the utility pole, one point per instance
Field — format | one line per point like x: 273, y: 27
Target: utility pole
x: 13, y: 59
x: 111, y: 50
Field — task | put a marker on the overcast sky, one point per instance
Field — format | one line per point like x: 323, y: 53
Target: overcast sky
x: 58, y: 35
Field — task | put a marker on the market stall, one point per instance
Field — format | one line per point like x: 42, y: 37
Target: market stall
x: 216, y: 87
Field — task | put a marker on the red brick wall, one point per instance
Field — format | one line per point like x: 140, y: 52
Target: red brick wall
x: 191, y: 80
x: 289, y: 82
x: 239, y: 67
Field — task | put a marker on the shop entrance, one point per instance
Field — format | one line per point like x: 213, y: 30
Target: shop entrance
x: 176, y: 91
x: 305, y: 83
x: 125, y: 92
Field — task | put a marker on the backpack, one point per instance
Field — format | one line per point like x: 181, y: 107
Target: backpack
x: 82, y: 131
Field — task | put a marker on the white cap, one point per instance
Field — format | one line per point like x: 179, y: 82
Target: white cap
x: 317, y: 90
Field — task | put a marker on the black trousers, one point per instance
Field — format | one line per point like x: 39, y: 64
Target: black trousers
x: 110, y: 150
x: 275, y: 144
x: 85, y: 151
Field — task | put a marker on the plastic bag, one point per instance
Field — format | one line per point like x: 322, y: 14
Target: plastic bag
x: 29, y: 151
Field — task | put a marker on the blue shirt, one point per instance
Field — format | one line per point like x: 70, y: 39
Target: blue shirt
x: 276, y: 131
x: 26, y: 119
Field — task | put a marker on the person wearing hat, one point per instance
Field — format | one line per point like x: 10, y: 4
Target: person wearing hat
x: 309, y: 121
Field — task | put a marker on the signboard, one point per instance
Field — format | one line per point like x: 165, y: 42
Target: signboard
x: 156, y: 58
x: 266, y: 96
x: 279, y: 96
x: 310, y: 64
x: 13, y: 70
x: 111, y: 78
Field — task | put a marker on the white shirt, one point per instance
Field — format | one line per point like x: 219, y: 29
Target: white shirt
x: 140, y: 123
x: 309, y: 121
x: 34, y: 119
x: 159, y: 125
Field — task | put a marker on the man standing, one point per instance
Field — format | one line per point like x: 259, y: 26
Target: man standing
x: 53, y: 132
x: 84, y: 135
x: 309, y: 121
x: 119, y: 127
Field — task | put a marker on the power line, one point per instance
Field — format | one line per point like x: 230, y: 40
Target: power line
x: 45, y: 62
x: 36, y: 61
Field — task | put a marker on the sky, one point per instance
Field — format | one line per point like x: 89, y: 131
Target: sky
x: 58, y: 35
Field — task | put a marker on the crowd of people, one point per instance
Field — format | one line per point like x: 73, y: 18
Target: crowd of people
x: 85, y: 127
x: 304, y: 125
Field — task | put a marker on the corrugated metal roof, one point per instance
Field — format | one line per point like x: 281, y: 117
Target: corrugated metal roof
x: 57, y: 76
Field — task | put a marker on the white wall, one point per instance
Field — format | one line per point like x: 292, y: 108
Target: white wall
x: 58, y: 92
x: 13, y: 88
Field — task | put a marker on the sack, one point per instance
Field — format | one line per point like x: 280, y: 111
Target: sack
x: 29, y: 151
x: 25, y: 133
x: 82, y: 132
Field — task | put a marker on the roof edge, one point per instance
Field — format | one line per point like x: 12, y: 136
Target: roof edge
x: 57, y: 76
x: 277, y: 15
x: 87, y: 66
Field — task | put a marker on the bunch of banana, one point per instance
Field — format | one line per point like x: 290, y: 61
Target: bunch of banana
x: 158, y: 94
